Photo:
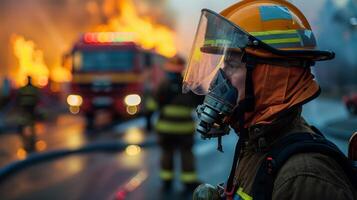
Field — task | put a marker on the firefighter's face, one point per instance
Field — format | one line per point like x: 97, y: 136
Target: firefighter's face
x: 236, y: 73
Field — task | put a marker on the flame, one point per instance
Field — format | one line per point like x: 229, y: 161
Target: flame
x: 147, y: 33
x: 31, y: 62
x: 60, y: 74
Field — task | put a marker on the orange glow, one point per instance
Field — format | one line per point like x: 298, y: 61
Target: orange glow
x: 134, y: 135
x: 30, y: 62
x: 131, y: 110
x: 21, y: 154
x: 132, y: 150
x: 136, y: 181
x: 41, y: 145
x: 147, y: 33
x: 74, y: 109
x: 40, y: 128
x: 60, y: 74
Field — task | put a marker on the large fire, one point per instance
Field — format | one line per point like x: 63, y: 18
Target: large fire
x: 148, y: 34
x: 123, y: 18
x: 30, y: 62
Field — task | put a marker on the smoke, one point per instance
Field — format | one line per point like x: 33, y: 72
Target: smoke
x: 333, y: 24
x: 336, y: 30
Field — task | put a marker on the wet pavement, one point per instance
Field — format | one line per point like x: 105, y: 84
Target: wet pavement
x: 132, y: 173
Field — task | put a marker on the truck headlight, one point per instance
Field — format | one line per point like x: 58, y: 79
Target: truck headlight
x: 132, y: 100
x: 74, y: 100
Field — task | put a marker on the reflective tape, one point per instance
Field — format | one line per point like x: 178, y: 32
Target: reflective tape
x: 243, y: 195
x: 188, y: 177
x: 273, y: 32
x: 151, y: 104
x: 286, y: 38
x: 166, y: 174
x: 177, y: 111
x: 168, y: 127
x: 218, y: 42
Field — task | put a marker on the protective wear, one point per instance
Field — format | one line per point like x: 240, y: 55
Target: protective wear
x: 269, y: 28
x: 260, y: 33
x: 176, y: 126
x: 274, y: 43
x: 305, y: 175
x: 218, y: 103
x: 28, y: 96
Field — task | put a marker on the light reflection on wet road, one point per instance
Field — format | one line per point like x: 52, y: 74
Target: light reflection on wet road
x: 100, y: 175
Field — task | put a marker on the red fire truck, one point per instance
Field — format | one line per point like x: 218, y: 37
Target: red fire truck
x: 113, y: 73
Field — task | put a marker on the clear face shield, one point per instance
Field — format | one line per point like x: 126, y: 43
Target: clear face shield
x: 215, y: 60
x: 217, y: 39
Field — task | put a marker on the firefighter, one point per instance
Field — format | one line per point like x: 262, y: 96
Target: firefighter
x: 175, y: 126
x: 150, y: 107
x: 28, y: 98
x: 252, y: 62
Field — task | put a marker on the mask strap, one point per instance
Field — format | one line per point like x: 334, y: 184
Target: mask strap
x: 249, y: 100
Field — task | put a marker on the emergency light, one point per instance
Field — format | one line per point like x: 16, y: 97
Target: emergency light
x: 108, y: 37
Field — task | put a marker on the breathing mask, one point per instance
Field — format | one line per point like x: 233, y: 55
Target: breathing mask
x: 219, y: 103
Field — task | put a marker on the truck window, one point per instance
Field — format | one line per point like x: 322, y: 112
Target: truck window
x: 103, y: 60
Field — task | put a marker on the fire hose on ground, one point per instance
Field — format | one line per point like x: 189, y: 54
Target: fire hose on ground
x: 108, y: 147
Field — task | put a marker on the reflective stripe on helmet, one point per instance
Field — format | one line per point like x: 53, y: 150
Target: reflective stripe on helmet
x: 168, y: 127
x: 273, y: 32
x: 218, y: 42
x: 286, y: 38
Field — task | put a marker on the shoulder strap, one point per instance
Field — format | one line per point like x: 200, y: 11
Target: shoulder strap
x: 287, y: 147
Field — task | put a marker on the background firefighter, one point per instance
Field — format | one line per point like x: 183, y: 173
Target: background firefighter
x: 28, y: 98
x: 175, y: 126
x: 252, y: 61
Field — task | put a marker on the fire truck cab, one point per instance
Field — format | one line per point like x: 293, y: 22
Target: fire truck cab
x: 111, y: 72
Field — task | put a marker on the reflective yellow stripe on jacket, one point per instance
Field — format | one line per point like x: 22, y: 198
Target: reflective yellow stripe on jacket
x: 166, y: 174
x: 177, y: 111
x: 188, y: 177
x: 169, y: 127
x: 243, y: 195
x: 151, y: 104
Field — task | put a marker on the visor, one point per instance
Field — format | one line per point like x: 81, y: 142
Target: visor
x: 216, y: 39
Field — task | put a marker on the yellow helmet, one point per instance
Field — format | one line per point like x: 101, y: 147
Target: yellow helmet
x: 264, y: 28
x: 277, y: 23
